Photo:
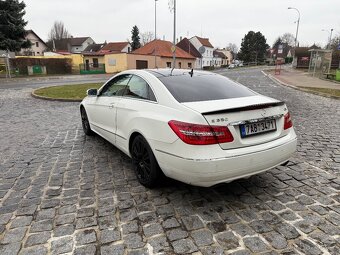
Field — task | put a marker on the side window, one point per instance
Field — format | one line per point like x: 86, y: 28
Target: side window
x: 138, y: 88
x: 116, y: 86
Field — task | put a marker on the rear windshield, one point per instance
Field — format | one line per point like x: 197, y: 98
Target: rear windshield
x: 203, y: 87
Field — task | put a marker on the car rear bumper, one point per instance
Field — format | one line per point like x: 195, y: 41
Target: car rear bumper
x: 208, y: 172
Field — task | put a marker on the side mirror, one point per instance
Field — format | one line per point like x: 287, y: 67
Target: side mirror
x: 91, y: 92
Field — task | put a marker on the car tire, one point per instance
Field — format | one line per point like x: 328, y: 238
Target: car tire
x: 85, y: 122
x: 285, y: 163
x: 145, y: 164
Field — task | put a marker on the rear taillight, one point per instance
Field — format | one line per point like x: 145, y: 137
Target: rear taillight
x: 201, y: 134
x: 288, y: 121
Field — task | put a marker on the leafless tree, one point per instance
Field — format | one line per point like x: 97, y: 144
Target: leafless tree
x: 233, y: 48
x: 146, y: 37
x: 288, y: 38
x: 58, y: 31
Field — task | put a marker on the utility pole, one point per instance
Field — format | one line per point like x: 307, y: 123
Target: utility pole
x: 297, y: 28
x: 8, y: 65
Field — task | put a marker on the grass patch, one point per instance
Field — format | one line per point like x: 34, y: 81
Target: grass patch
x: 76, y: 91
x: 331, y: 92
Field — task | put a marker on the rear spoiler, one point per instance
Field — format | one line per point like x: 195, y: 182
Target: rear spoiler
x: 246, y: 108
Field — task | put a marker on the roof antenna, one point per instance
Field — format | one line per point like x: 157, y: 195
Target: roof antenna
x: 191, y: 72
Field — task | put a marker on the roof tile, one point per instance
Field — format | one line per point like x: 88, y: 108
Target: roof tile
x: 187, y: 46
x: 162, y: 49
x: 115, y: 46
x: 205, y: 42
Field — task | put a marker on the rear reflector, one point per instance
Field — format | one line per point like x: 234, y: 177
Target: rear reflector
x: 201, y: 134
x: 288, y: 121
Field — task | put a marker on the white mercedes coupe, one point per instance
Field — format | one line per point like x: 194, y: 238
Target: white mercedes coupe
x: 193, y: 126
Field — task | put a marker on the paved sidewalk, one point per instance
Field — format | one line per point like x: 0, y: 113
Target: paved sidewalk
x: 299, y: 78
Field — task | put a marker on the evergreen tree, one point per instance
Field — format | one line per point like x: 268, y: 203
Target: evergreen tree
x: 253, y: 47
x: 135, y: 44
x: 12, y: 26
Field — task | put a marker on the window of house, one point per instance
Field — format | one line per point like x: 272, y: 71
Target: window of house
x: 129, y: 49
x: 139, y: 88
x: 36, y: 44
x: 189, y: 65
x: 179, y: 65
x: 95, y: 62
x: 168, y: 64
x: 38, y: 52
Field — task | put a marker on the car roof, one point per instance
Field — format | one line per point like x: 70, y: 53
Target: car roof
x: 166, y: 72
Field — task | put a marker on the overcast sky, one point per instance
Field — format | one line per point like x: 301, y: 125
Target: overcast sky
x: 222, y: 21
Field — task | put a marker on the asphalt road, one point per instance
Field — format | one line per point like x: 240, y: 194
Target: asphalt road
x: 64, y: 193
x: 37, y: 82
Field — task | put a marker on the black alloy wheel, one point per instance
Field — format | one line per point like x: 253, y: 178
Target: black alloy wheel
x: 145, y: 163
x: 85, y: 122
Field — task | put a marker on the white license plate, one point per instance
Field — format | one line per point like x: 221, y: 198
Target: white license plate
x: 258, y: 127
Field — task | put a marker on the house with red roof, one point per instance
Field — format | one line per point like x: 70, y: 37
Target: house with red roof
x: 116, y: 57
x: 158, y: 54
x: 109, y: 57
x: 220, y: 59
x: 204, y: 47
x: 116, y: 47
x: 188, y: 47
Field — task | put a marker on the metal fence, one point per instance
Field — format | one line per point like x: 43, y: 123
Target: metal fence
x: 92, y: 68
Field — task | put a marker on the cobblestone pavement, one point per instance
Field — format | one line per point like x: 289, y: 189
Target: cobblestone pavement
x: 62, y: 192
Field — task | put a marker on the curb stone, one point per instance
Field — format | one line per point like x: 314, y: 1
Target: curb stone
x: 33, y: 94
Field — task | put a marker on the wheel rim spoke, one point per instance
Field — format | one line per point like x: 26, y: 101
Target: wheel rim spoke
x: 84, y: 120
x: 141, y: 159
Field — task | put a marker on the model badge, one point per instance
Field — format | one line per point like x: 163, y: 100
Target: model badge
x: 219, y: 120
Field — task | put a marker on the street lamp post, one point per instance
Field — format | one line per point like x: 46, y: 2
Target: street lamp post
x: 156, y: 19
x: 155, y: 32
x: 330, y: 37
x: 174, y: 49
x: 297, y: 28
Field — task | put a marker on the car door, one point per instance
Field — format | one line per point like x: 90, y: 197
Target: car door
x: 137, y: 101
x: 102, y: 110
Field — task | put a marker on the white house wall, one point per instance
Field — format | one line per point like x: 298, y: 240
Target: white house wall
x: 207, y: 56
x: 37, y: 48
x: 80, y: 48
x: 127, y: 48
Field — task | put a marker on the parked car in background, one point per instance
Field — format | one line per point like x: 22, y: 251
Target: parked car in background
x: 231, y: 66
x: 193, y: 126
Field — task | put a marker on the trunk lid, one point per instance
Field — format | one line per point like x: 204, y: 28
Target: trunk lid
x: 245, y: 112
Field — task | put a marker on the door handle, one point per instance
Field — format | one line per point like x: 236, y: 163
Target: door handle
x: 111, y: 105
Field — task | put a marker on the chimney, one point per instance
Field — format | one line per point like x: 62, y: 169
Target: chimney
x: 180, y: 38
